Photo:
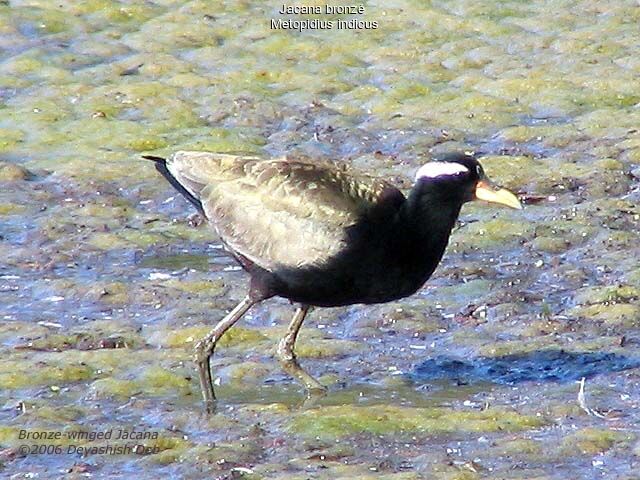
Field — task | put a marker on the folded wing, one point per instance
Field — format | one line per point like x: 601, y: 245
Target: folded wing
x: 277, y: 213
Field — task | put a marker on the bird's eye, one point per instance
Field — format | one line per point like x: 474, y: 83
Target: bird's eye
x: 479, y: 170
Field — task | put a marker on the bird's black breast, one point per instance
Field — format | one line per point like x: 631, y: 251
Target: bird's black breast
x: 380, y: 273
x: 385, y: 259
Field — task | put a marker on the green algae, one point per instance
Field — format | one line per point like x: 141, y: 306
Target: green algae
x: 104, y: 211
x: 210, y: 288
x: 417, y: 318
x: 10, y: 138
x: 141, y: 238
x: 96, y: 358
x: 551, y: 244
x: 107, y: 241
x: 21, y: 65
x: 112, y: 293
x: 323, y: 348
x: 519, y: 447
x: 623, y: 314
x: 454, y: 473
x: 537, y: 343
x: 11, y: 209
x: 17, y: 374
x: 243, y: 337
x: 174, y: 262
x: 246, y: 372
x: 236, y: 336
x: 591, y: 441
x: 83, y: 341
x: 160, y: 380
x: 466, y: 292
x: 11, y: 436
x: 226, y: 140
x: 152, y: 381
x: 147, y: 144
x: 231, y: 453
x: 60, y: 414
x: 8, y: 434
x: 115, y: 387
x: 172, y: 449
x: 603, y: 294
x: 633, y: 277
x: 343, y: 421
x: 184, y: 231
x: 499, y: 231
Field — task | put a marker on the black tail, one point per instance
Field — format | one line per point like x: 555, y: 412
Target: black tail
x: 161, y: 166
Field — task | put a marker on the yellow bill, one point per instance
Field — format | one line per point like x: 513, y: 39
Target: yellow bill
x: 490, y: 193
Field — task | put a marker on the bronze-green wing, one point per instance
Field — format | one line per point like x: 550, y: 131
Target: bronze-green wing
x: 277, y: 213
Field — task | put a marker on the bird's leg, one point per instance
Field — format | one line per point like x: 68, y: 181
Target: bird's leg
x: 285, y: 347
x: 288, y: 357
x: 204, y: 349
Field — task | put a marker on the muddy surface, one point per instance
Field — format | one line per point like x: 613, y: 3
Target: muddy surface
x: 105, y: 282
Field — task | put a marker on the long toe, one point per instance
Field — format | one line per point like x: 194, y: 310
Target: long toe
x: 204, y: 373
x: 293, y: 368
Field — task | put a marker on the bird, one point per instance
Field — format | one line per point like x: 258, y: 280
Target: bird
x: 322, y: 234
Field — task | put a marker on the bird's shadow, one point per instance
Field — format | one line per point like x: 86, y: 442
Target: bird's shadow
x: 552, y: 365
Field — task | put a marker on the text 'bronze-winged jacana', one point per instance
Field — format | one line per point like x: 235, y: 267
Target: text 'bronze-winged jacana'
x: 320, y: 235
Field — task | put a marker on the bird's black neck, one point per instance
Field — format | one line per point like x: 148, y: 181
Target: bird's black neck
x: 427, y: 218
x: 434, y: 203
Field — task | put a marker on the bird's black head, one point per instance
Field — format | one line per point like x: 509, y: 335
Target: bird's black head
x: 462, y: 175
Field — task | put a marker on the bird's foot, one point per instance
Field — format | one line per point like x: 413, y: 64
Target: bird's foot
x: 210, y: 406
x: 201, y: 358
x: 293, y: 368
x: 313, y: 397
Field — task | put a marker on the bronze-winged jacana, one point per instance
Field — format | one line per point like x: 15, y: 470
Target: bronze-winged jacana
x: 319, y: 235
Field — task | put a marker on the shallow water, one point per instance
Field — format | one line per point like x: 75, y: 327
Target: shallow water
x: 105, y: 283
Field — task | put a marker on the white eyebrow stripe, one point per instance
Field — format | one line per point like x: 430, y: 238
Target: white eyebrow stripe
x: 437, y: 169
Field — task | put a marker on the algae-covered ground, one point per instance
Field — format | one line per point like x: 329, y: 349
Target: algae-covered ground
x: 106, y: 282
